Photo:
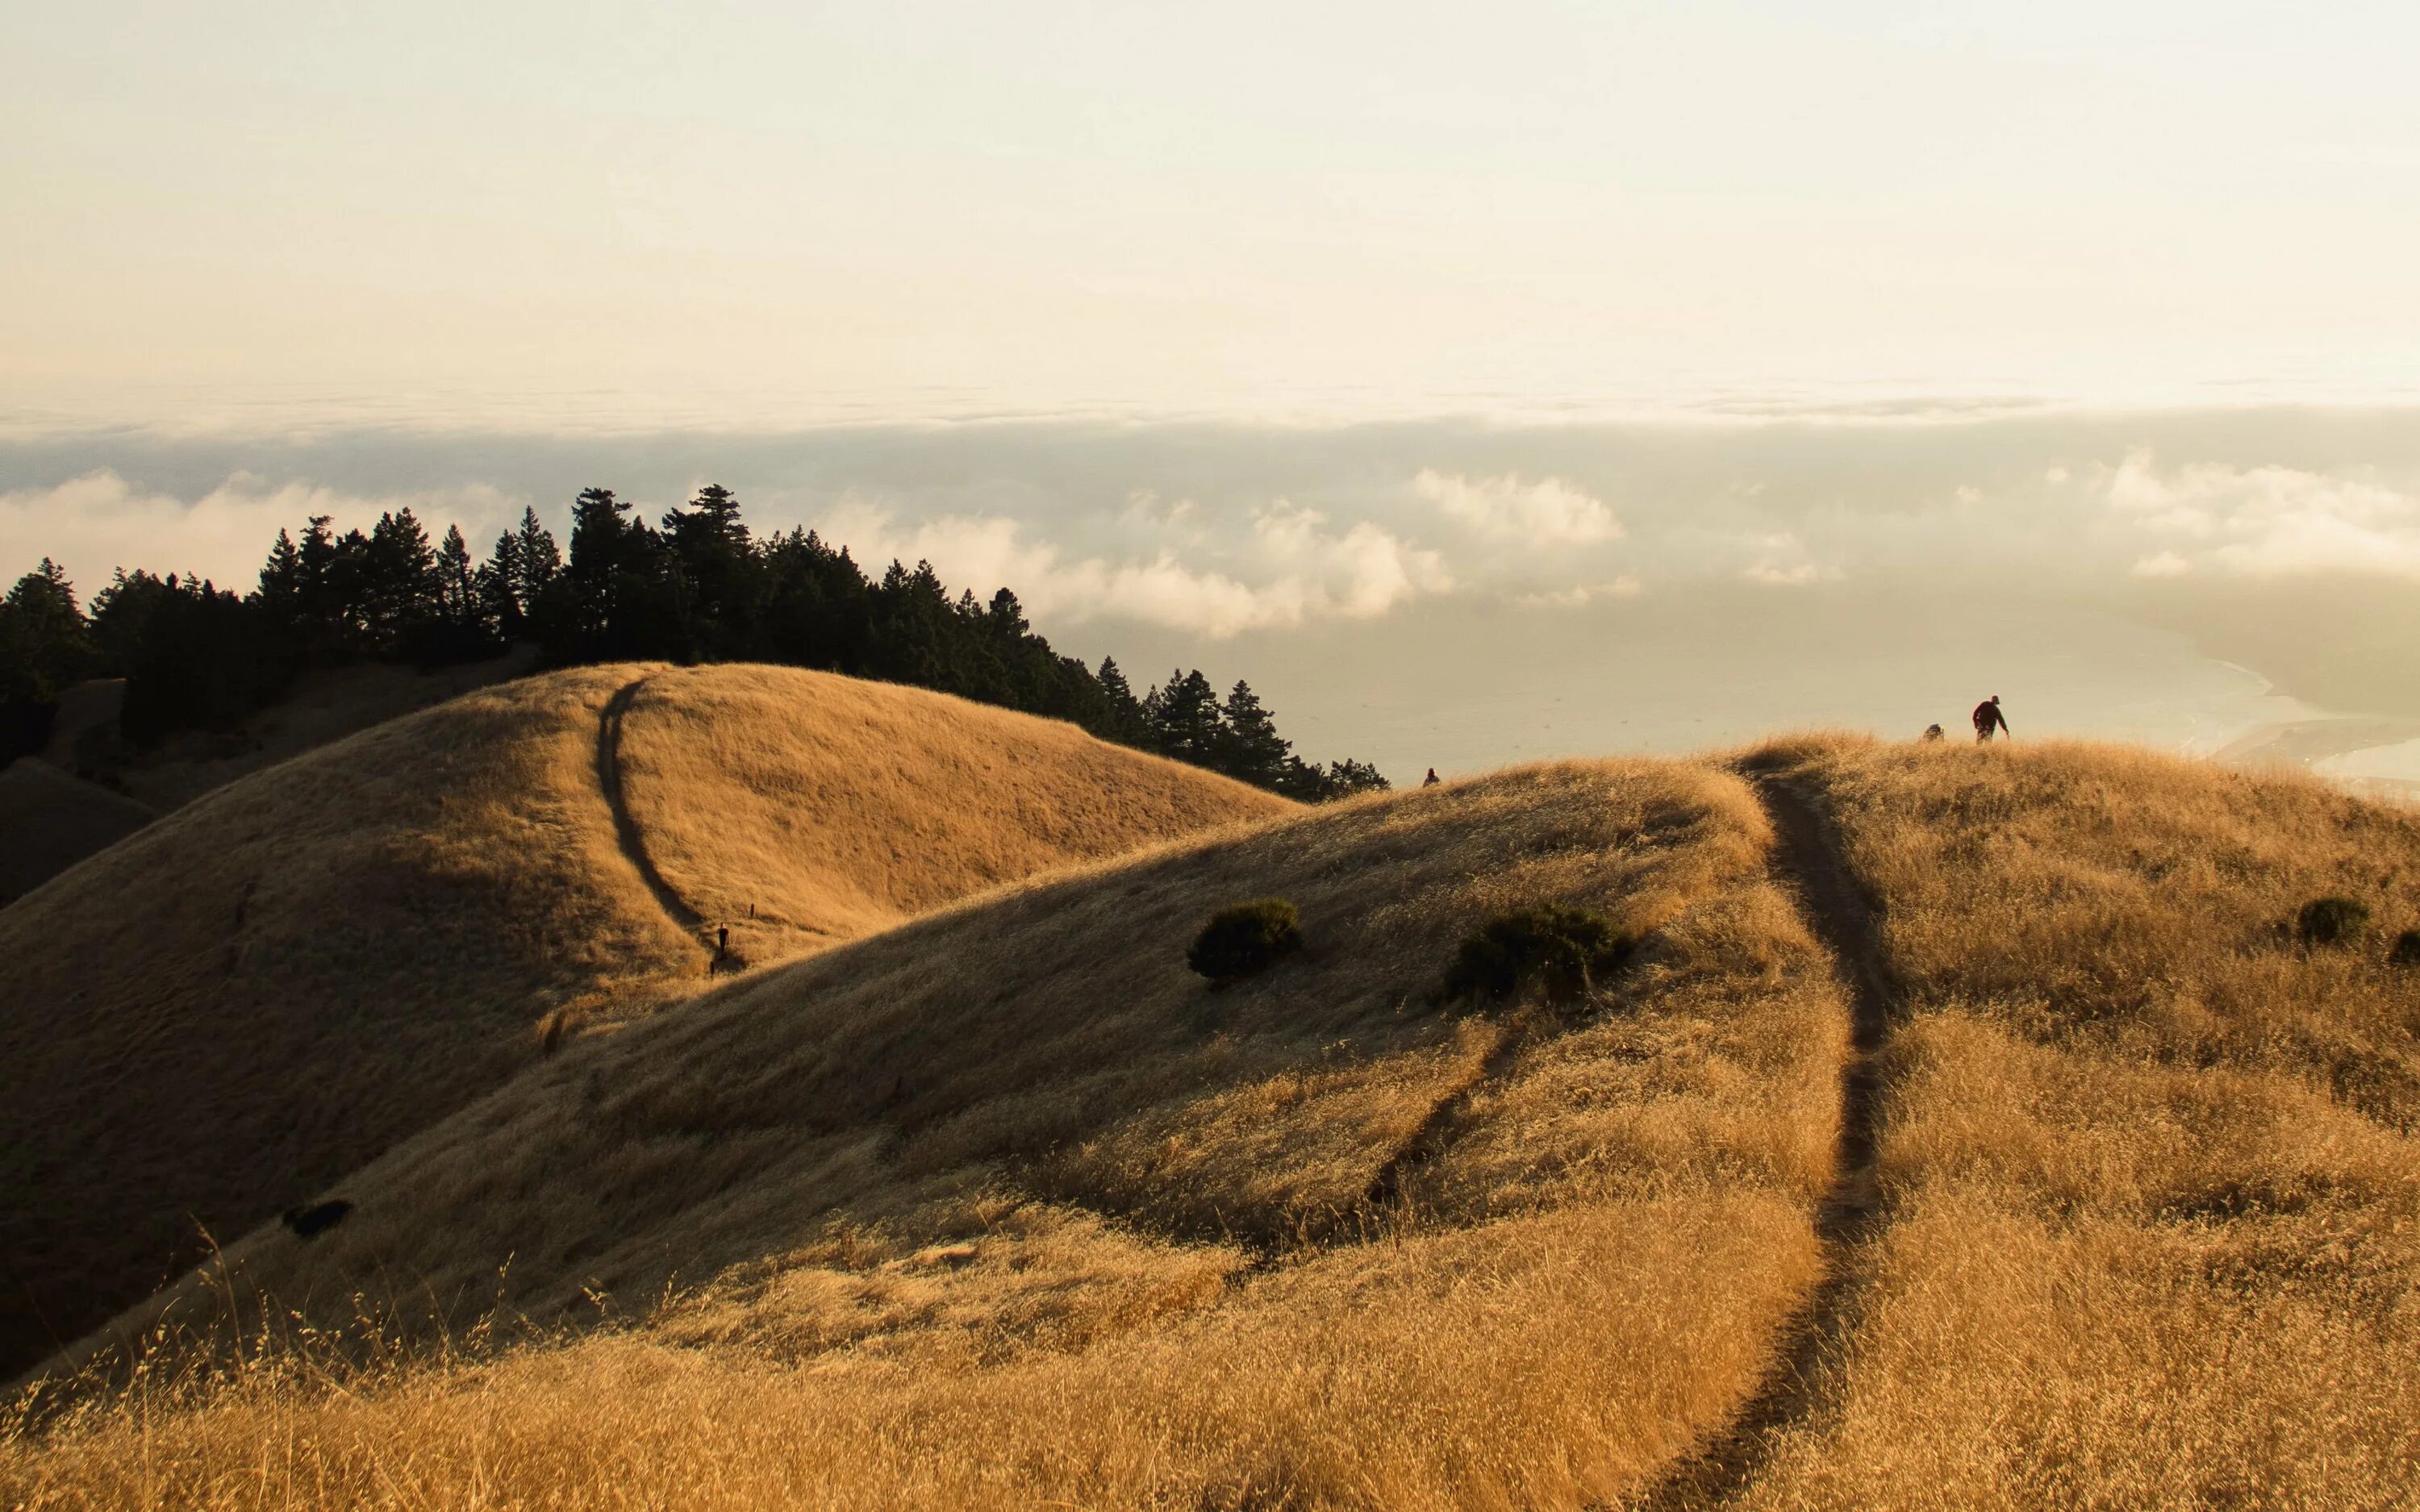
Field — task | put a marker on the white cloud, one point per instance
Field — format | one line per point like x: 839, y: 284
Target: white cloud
x: 98, y: 522
x: 1285, y: 568
x: 1548, y: 512
x: 1625, y: 586
x: 1781, y: 562
x: 2264, y: 521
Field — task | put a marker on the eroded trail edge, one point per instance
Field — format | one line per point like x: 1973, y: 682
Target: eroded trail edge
x: 626, y: 829
x: 1807, y: 859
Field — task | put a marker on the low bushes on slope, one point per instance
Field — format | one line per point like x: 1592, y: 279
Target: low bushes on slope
x: 1557, y: 952
x: 1244, y: 940
x: 2331, y: 920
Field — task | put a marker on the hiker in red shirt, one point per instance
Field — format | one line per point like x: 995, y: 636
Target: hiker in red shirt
x: 1988, y: 717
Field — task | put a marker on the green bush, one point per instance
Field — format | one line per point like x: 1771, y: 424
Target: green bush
x: 2331, y: 920
x: 1554, y: 950
x: 2406, y: 948
x: 1243, y: 939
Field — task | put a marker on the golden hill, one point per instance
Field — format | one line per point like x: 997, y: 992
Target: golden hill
x: 277, y: 982
x: 1004, y: 1205
x: 1973, y: 1129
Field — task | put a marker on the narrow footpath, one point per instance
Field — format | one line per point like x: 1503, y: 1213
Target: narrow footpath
x: 1806, y: 860
x: 626, y: 829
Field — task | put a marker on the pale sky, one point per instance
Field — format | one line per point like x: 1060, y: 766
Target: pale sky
x: 538, y: 215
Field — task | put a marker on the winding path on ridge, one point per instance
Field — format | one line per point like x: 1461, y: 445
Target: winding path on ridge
x: 1806, y: 857
x: 626, y: 829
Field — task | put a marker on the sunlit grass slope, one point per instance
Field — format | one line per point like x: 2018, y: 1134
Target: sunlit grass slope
x: 234, y: 1007
x: 800, y: 809
x: 2153, y: 1235
x: 1004, y: 1207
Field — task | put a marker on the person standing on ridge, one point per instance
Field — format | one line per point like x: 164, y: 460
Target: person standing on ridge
x: 1430, y: 780
x: 1988, y: 717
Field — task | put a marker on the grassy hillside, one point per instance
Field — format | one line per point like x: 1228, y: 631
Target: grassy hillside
x: 1976, y: 1129
x: 1005, y: 1206
x: 2152, y: 1195
x: 277, y: 982
x: 49, y: 821
x: 801, y: 808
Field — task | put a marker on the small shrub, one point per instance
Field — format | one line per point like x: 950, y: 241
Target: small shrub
x: 2331, y: 920
x: 1243, y: 939
x: 1554, y: 951
x: 2407, y: 949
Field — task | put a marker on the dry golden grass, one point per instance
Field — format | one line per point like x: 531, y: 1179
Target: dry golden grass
x: 2154, y: 1207
x: 801, y: 808
x: 249, y: 999
x: 1004, y: 1208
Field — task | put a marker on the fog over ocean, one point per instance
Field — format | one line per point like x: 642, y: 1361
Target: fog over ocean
x: 1466, y: 593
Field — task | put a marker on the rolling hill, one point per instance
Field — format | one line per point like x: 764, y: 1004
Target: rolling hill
x: 278, y: 980
x: 49, y: 821
x: 1970, y: 1128
x: 1013, y: 1168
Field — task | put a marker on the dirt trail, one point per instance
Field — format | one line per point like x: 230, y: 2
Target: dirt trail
x: 1438, y: 1130
x: 625, y: 829
x: 1806, y: 857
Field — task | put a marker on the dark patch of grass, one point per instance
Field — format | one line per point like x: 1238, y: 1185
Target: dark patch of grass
x: 1244, y: 940
x: 1555, y: 951
x: 2332, y: 921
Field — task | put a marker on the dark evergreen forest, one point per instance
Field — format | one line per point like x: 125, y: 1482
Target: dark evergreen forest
x: 695, y: 587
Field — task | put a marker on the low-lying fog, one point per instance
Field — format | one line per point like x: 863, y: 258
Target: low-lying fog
x: 1460, y: 595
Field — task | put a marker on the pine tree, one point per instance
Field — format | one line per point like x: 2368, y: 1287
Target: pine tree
x: 537, y: 560
x: 281, y: 581
x: 45, y: 641
x: 1125, y: 721
x: 1249, y: 748
x: 401, y: 572
x: 457, y: 595
x: 499, y: 587
x: 1185, y: 719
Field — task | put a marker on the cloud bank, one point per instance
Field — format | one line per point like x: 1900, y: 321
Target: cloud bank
x: 2264, y: 521
x: 1213, y: 532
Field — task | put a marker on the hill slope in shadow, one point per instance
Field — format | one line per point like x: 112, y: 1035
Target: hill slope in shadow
x: 49, y: 821
x: 268, y: 986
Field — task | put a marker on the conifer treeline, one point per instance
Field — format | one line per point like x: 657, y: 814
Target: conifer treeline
x: 695, y: 587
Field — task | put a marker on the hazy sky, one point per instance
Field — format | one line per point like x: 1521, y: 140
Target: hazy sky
x: 605, y: 213
x: 1461, y: 592
x: 1480, y: 380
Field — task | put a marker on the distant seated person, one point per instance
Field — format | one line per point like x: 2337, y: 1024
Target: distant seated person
x: 1988, y: 718
x: 1932, y: 732
x: 1429, y: 780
